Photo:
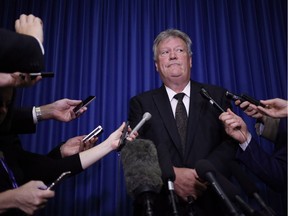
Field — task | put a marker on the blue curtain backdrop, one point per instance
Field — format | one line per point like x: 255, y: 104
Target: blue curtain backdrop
x: 104, y: 48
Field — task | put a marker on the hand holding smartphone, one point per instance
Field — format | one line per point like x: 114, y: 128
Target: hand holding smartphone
x: 95, y: 133
x: 84, y: 103
x: 58, y: 180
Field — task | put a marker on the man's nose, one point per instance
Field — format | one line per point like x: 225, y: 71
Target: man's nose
x: 172, y: 55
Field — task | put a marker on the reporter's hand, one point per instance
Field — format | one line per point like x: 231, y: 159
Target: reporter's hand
x: 17, y: 79
x: 187, y: 183
x: 30, y: 198
x: 234, y: 126
x: 276, y: 108
x: 61, y: 110
x: 250, y: 109
x: 30, y: 25
x: 75, y: 145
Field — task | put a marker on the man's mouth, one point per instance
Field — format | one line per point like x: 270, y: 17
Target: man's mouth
x: 173, y: 64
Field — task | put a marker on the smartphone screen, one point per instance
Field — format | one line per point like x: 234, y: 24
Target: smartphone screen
x: 84, y: 103
x: 58, y: 180
x: 96, y: 132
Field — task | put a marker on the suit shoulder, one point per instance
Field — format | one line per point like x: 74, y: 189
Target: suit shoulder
x: 209, y: 87
x: 146, y: 94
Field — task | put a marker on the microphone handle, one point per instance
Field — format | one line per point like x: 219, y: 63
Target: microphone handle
x: 268, y: 210
x: 172, y: 197
x: 216, y: 105
x: 138, y: 126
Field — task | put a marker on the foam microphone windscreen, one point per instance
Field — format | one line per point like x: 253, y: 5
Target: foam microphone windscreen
x: 141, y: 167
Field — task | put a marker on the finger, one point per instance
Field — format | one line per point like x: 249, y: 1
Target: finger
x: 81, y: 146
x: 38, y: 20
x: 73, y: 102
x: 244, y: 105
x: 237, y: 102
x: 30, y: 18
x: 17, y: 24
x: 22, y: 18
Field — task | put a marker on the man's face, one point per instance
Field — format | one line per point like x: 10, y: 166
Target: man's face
x: 5, y: 101
x: 173, y: 61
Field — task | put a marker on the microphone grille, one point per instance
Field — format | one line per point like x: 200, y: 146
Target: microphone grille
x: 147, y: 116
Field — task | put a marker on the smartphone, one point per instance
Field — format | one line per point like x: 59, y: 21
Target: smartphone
x: 58, y: 180
x: 42, y: 74
x: 84, y: 103
x: 95, y: 133
x: 123, y: 136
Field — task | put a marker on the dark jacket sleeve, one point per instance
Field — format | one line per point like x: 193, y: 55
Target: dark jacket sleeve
x: 270, y: 168
x: 19, y: 52
x: 22, y: 121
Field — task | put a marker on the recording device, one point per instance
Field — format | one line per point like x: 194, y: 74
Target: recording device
x: 243, y: 97
x: 142, y: 172
x: 84, y: 103
x: 58, y: 180
x: 123, y: 137
x: 42, y: 74
x: 249, y: 187
x: 95, y: 133
x: 146, y: 117
x: 206, y: 95
x: 207, y: 172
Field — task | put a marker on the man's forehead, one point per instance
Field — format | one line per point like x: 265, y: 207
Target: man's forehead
x: 178, y: 41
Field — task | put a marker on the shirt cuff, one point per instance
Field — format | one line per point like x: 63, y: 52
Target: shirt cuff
x: 244, y: 145
x: 41, y: 46
x: 34, y: 115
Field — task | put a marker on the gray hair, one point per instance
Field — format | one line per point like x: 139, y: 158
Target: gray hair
x: 171, y: 33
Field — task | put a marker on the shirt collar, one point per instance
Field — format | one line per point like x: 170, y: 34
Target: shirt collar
x: 172, y: 93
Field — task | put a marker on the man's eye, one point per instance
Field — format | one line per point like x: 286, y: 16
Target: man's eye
x: 179, y: 50
x: 164, y: 53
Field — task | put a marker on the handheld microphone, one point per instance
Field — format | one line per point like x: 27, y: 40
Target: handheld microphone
x: 168, y: 175
x: 244, y: 97
x: 172, y: 198
x: 146, y: 117
x: 207, y: 172
x: 249, y: 187
x: 142, y: 172
x: 233, y: 194
x: 206, y: 95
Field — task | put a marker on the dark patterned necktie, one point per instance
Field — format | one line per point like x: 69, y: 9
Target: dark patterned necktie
x: 181, y: 118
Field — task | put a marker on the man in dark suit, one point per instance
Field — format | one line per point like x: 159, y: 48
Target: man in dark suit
x: 205, y: 135
x: 22, y: 51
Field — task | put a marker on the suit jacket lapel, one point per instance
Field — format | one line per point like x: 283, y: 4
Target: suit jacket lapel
x: 164, y: 107
x: 195, y: 109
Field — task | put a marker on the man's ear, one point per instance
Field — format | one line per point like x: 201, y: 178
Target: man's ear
x: 156, y: 66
